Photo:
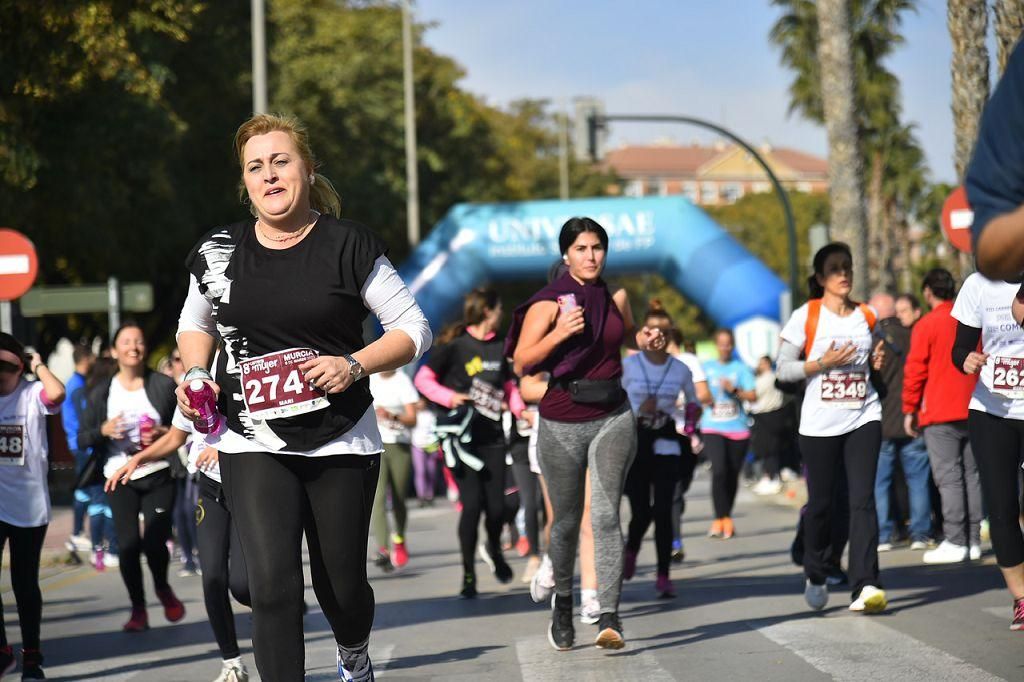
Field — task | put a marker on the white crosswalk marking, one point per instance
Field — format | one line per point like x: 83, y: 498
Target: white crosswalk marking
x: 858, y: 648
x: 538, y: 662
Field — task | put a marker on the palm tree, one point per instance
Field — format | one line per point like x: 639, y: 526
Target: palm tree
x: 1009, y: 24
x: 874, y: 29
x: 968, y: 25
x: 845, y: 167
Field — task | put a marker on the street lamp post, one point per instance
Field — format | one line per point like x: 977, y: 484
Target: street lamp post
x: 411, y: 172
x: 597, y: 121
x: 259, y: 58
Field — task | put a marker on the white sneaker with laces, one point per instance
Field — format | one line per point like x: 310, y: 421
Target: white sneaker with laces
x: 233, y: 671
x: 884, y: 546
x: 870, y: 600
x: 590, y: 611
x: 816, y: 596
x: 543, y: 584
x: 111, y: 560
x: 975, y: 552
x: 946, y: 553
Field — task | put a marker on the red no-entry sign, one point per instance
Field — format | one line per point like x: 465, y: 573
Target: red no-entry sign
x: 957, y: 218
x: 18, y: 264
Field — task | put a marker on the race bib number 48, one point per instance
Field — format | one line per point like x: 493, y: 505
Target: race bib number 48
x: 273, y: 387
x: 12, y: 445
x: 844, y: 389
x: 1008, y: 377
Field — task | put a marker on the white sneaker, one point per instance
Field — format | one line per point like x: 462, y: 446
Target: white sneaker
x: 946, y: 553
x: 788, y: 475
x: 816, y: 596
x: 884, y: 546
x: 78, y: 543
x: 975, y: 552
x: 871, y: 600
x: 111, y: 560
x: 543, y: 584
x: 590, y: 611
x: 233, y: 672
x: 767, y: 486
x: 918, y: 545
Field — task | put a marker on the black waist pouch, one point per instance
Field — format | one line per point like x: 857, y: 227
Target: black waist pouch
x: 595, y: 391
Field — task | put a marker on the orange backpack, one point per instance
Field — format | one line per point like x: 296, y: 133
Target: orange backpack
x: 814, y: 312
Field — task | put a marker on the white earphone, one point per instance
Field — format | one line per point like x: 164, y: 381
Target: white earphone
x: 312, y: 179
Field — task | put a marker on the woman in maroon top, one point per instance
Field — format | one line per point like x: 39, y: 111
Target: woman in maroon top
x: 574, y: 329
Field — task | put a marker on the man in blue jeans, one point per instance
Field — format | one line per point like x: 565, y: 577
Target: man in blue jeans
x: 912, y: 453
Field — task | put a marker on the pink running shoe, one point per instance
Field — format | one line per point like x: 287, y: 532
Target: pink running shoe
x: 399, y: 555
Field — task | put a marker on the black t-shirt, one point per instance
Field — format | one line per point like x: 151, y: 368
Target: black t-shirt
x: 479, y: 369
x: 266, y: 301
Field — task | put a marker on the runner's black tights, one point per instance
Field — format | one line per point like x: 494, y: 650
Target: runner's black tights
x: 274, y: 499
x: 223, y: 564
x: 26, y: 548
x: 482, y: 492
x: 153, y: 495
x: 998, y: 445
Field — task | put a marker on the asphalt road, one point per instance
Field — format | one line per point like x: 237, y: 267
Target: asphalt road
x: 740, y: 615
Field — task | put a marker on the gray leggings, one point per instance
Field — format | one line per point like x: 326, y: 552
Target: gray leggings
x: 565, y: 451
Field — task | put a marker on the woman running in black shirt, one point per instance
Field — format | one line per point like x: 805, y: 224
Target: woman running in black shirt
x: 468, y: 369
x: 287, y: 294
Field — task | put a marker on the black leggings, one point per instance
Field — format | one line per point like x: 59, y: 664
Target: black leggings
x: 997, y: 444
x: 824, y: 458
x: 274, y: 498
x: 769, y: 438
x: 687, y: 465
x: 26, y: 548
x: 726, y: 457
x: 153, y: 495
x: 223, y: 564
x: 482, y: 492
x: 531, y: 501
x: 658, y: 474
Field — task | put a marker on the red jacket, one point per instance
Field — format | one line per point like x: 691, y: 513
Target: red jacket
x: 932, y: 387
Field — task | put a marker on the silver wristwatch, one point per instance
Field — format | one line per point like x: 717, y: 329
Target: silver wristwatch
x: 356, y: 370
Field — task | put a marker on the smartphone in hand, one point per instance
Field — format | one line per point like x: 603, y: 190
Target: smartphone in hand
x: 567, y: 303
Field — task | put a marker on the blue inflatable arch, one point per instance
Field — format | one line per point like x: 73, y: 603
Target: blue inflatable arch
x: 477, y: 243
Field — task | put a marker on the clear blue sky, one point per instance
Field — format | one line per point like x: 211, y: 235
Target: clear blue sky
x: 705, y: 58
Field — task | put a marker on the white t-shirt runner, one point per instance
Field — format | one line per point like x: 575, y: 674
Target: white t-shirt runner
x: 840, y: 400
x: 24, y: 456
x: 393, y: 393
x: 670, y: 384
x: 985, y: 304
x: 130, y: 405
x: 197, y: 443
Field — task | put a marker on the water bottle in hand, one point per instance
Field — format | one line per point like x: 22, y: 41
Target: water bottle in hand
x: 204, y: 401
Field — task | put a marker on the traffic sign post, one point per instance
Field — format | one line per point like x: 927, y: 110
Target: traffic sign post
x: 957, y: 218
x: 19, y: 267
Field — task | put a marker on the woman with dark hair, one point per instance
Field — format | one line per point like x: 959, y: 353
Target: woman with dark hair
x: 725, y: 429
x: 574, y: 328
x: 467, y: 373
x: 123, y: 416
x: 286, y: 293
x: 828, y: 342
x: 24, y: 494
x: 659, y: 388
